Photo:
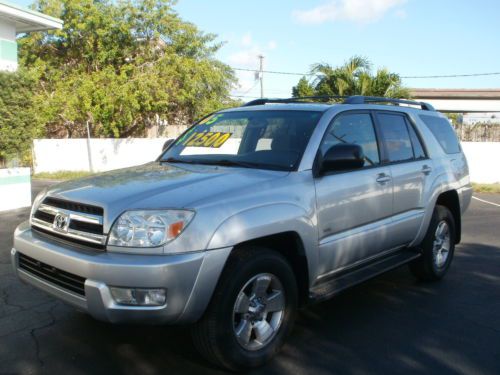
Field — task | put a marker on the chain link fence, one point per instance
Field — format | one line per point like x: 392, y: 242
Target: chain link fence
x: 476, y: 127
x: 480, y: 132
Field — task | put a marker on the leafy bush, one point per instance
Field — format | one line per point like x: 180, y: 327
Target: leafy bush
x: 123, y: 67
x: 19, y: 119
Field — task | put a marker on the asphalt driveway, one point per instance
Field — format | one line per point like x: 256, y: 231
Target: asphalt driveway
x: 389, y: 325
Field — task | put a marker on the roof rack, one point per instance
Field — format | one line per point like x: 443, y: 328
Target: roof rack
x: 299, y: 99
x: 356, y: 99
x: 360, y: 99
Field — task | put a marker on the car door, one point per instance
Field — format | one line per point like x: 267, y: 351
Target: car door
x: 353, y: 207
x: 411, y: 172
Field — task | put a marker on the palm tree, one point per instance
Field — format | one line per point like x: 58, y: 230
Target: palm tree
x: 388, y: 84
x: 354, y: 77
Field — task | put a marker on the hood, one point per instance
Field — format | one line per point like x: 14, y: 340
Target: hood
x: 159, y: 185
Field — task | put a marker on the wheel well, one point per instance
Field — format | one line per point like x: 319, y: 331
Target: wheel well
x: 288, y: 244
x: 450, y: 200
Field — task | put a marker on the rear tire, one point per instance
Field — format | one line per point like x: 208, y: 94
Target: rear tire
x: 239, y: 331
x: 437, y: 247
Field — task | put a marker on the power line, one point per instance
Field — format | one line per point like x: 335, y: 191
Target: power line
x: 245, y: 96
x: 250, y: 89
x: 274, y: 72
x: 406, y: 77
x: 455, y: 75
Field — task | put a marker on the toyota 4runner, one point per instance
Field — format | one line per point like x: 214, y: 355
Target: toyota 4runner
x: 251, y: 213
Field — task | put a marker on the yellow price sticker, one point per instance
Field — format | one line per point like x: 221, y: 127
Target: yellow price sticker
x: 207, y: 139
x: 210, y: 119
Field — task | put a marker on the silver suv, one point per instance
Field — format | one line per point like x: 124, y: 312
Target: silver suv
x: 251, y: 213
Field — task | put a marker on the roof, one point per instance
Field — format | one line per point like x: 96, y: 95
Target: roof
x: 320, y: 107
x: 297, y: 103
x: 492, y: 94
x: 27, y: 20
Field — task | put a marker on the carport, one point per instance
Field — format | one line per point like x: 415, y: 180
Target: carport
x: 14, y: 20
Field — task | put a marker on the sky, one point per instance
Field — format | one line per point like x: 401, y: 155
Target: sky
x: 409, y: 37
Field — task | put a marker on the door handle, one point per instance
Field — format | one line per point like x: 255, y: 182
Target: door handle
x: 426, y: 169
x: 383, y: 178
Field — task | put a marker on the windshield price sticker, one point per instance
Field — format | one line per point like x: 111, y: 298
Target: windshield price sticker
x: 207, y: 139
x: 211, y: 119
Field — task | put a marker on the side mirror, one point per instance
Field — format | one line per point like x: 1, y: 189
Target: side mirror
x: 167, y: 143
x: 342, y: 157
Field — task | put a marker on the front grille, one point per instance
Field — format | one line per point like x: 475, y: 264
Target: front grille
x: 63, y: 279
x: 44, y: 216
x: 72, y: 221
x: 66, y: 240
x: 85, y: 227
x: 73, y: 206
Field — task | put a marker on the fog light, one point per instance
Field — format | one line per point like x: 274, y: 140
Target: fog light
x: 138, y: 296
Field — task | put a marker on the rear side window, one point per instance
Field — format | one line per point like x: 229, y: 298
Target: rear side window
x: 443, y: 132
x: 395, y: 137
x: 418, y: 150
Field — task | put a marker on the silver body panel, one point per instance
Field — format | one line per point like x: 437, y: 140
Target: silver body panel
x: 182, y: 275
x: 342, y: 220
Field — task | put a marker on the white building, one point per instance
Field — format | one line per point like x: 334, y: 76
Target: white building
x: 460, y: 100
x: 14, y: 20
x: 484, y: 118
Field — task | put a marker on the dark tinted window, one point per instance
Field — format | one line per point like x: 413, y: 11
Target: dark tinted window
x: 354, y: 128
x: 418, y: 150
x: 395, y: 137
x: 443, y: 132
x: 255, y: 139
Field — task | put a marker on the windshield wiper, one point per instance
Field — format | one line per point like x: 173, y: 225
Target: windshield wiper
x: 243, y: 164
x: 174, y: 160
x: 229, y: 163
x: 226, y: 163
x: 223, y: 162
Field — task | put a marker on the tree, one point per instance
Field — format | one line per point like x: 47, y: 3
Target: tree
x: 355, y: 77
x: 19, y: 120
x: 303, y: 88
x: 123, y: 67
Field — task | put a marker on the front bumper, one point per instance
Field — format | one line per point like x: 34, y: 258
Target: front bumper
x: 189, y: 278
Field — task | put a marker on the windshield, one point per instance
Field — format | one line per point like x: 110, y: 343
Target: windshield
x: 251, y: 139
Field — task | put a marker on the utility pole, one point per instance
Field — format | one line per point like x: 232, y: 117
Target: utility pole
x: 261, y: 75
x: 89, y: 152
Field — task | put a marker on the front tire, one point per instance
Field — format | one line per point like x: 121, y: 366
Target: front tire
x: 437, y: 247
x: 251, y: 312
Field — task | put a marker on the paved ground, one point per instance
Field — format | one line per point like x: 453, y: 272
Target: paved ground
x: 390, y: 325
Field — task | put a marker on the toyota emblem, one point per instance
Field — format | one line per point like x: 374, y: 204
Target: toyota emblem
x: 61, y: 222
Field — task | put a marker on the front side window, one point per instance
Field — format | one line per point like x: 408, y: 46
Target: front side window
x: 395, y: 137
x: 355, y: 128
x: 254, y: 139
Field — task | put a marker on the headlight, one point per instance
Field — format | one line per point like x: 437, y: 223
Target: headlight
x: 148, y: 228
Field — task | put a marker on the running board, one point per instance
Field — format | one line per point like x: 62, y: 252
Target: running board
x: 329, y: 288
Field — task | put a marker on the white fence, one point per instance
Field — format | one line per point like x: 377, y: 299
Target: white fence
x: 484, y: 161
x: 51, y: 155
x: 15, y: 188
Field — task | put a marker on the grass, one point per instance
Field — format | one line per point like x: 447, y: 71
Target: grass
x: 61, y: 175
x: 486, y: 188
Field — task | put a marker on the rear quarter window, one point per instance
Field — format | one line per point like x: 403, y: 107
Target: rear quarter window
x: 443, y: 132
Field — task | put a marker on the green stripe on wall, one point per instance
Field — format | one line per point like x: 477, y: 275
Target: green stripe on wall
x: 10, y: 180
x: 8, y: 50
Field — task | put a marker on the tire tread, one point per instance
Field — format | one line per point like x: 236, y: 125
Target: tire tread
x: 204, y: 332
x: 422, y: 267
